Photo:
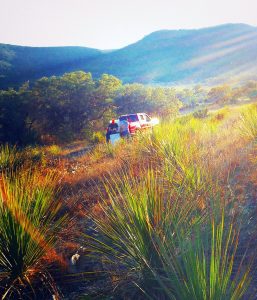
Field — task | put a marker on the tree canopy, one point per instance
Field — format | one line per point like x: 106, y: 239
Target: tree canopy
x: 73, y: 106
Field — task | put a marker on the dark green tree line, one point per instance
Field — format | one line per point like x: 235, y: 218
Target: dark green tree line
x: 73, y: 106
x: 55, y: 107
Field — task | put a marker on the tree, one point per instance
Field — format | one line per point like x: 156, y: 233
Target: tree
x: 153, y: 100
x: 66, y: 106
x: 15, y: 127
x: 221, y: 94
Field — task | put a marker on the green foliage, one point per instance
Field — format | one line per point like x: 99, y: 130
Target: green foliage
x: 8, y: 157
x: 13, y: 159
x: 74, y: 106
x: 125, y: 237
x: 56, y: 108
x: 161, y: 246
x: 60, y: 109
x: 54, y: 150
x: 221, y: 94
x: 30, y: 220
x: 200, y: 114
x: 61, y: 103
x: 205, y: 265
x: 98, y: 137
x: 15, y: 126
x: 249, y: 122
x: 156, y: 100
x: 190, y: 97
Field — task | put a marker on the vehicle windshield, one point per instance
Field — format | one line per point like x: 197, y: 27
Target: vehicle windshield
x: 130, y: 118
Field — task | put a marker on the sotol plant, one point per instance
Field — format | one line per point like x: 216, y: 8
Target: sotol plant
x: 30, y: 220
x: 166, y: 246
x: 249, y: 122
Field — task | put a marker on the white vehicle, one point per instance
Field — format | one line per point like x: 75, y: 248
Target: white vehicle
x: 138, y: 121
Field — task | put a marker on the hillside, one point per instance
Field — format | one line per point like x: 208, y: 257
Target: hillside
x: 187, y: 55
x: 18, y: 63
x: 167, y: 56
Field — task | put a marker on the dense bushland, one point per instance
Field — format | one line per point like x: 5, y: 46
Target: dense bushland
x: 75, y: 106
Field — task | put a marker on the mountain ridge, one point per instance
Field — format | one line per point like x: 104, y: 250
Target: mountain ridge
x: 163, y: 57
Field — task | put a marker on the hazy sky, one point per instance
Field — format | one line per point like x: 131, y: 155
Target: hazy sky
x: 109, y: 24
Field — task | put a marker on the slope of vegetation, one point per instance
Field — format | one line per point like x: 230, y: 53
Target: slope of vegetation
x: 172, y: 224
x: 167, y: 215
x: 19, y: 64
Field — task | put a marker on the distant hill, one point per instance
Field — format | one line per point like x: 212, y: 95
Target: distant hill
x: 163, y: 57
x: 19, y: 64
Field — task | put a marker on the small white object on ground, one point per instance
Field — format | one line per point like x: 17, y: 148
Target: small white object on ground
x: 75, y: 258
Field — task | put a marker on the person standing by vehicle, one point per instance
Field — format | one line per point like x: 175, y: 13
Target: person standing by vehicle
x: 112, y: 129
x: 124, y: 128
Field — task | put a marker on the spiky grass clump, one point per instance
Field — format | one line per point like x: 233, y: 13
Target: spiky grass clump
x: 179, y: 147
x: 165, y: 246
x: 206, y: 266
x: 10, y: 158
x: 29, y: 224
x: 249, y: 122
x: 135, y: 214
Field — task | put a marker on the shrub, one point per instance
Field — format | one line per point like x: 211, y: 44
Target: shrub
x: 30, y: 220
x: 11, y: 158
x: 201, y: 114
x: 248, y: 124
x: 8, y: 157
x: 152, y: 237
x: 205, y: 264
x: 98, y: 137
x: 54, y: 150
x: 220, y: 114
